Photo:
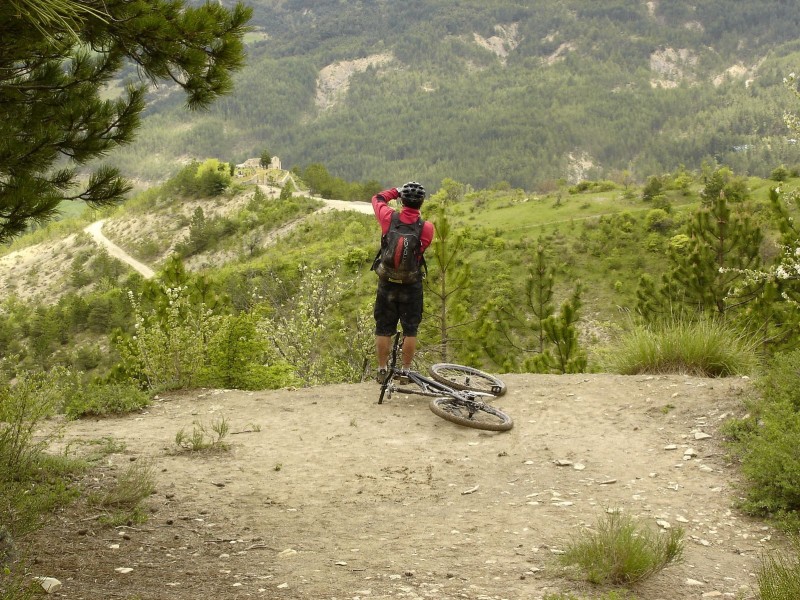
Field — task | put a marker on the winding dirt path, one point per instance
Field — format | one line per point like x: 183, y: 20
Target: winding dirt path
x: 96, y: 231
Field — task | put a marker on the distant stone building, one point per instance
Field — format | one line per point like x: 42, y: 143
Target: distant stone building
x: 250, y: 163
x: 255, y: 163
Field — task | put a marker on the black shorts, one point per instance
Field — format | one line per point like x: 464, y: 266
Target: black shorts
x: 398, y: 302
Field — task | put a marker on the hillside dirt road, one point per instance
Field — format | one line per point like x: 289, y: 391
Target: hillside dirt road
x: 96, y: 231
x: 324, y: 494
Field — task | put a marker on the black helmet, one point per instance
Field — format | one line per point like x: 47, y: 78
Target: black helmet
x: 412, y: 194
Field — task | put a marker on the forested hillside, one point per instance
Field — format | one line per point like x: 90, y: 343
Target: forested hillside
x: 502, y: 91
x: 587, y: 259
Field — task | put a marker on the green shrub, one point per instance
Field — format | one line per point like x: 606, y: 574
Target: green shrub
x: 236, y: 357
x: 779, y: 174
x: 771, y: 464
x: 658, y: 220
x: 105, y: 399
x: 780, y: 382
x: 767, y: 441
x: 619, y: 552
x: 87, y: 358
x: 701, y: 347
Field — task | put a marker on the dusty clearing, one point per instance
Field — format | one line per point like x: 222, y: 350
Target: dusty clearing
x: 325, y: 494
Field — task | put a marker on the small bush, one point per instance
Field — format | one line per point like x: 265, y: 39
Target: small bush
x: 166, y: 351
x: 15, y: 585
x: 620, y: 552
x: 767, y: 441
x: 700, y: 347
x: 23, y: 407
x: 105, y: 399
x: 30, y: 498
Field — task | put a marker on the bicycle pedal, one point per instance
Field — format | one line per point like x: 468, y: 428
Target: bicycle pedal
x: 402, y: 379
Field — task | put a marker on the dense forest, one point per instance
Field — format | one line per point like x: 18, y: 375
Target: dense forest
x: 526, y: 93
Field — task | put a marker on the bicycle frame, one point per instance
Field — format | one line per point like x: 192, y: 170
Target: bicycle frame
x: 463, y: 406
x: 424, y: 385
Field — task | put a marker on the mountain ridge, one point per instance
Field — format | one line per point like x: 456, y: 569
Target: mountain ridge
x: 484, y: 94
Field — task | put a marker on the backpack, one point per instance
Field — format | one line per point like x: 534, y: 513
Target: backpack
x: 400, y: 259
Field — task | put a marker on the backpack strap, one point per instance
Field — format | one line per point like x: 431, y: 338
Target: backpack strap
x: 392, y: 223
x: 422, y: 264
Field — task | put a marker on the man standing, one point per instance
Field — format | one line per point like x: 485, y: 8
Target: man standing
x: 400, y: 266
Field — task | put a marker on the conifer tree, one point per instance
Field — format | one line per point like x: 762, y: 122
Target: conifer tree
x: 56, y: 58
x: 533, y: 327
x: 447, y: 281
x: 517, y: 324
x: 563, y: 354
x: 707, y: 266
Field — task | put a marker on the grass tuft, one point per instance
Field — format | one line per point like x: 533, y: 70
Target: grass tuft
x: 203, y: 439
x: 700, y: 347
x: 619, y: 552
x: 610, y: 595
x: 778, y: 575
x: 135, y: 484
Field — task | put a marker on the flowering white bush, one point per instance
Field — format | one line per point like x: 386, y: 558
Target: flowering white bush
x: 168, y: 350
x: 782, y: 273
x: 297, y: 331
x: 785, y: 273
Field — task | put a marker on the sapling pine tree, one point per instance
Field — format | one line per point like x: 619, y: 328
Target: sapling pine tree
x: 720, y: 239
x: 722, y: 182
x: 447, y: 281
x: 564, y: 354
x: 509, y: 323
x: 777, y: 310
x: 718, y: 242
x: 533, y: 327
x: 199, y: 232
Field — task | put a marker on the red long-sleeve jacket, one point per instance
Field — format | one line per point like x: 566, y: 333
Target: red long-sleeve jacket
x: 383, y: 212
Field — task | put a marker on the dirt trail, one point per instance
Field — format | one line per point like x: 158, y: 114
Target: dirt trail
x: 327, y: 495
x: 96, y: 231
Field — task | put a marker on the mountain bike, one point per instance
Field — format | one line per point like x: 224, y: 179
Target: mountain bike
x: 458, y: 394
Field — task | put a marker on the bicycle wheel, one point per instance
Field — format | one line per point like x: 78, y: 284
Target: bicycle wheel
x: 483, y: 415
x: 460, y: 377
